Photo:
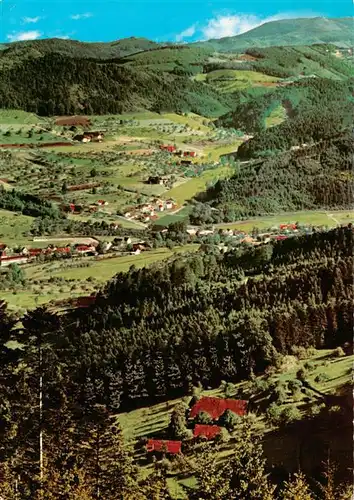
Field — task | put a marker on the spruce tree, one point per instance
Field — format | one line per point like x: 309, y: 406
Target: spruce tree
x: 106, y: 459
x: 296, y: 489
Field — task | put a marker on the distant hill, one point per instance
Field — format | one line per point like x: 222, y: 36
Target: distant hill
x: 56, y: 76
x: 303, y: 31
x: 74, y: 48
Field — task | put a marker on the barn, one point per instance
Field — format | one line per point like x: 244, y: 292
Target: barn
x: 208, y: 431
x: 215, y: 407
x: 173, y: 447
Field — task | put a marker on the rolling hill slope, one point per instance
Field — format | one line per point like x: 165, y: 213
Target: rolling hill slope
x: 303, y: 31
x: 56, y: 76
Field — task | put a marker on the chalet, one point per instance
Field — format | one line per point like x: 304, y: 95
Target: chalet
x: 142, y: 246
x: 169, y: 148
x: 95, y: 135
x: 169, y: 204
x: 82, y: 138
x: 288, y: 226
x: 160, y: 208
x: 157, y: 180
x: 191, y: 154
x: 63, y: 250
x: 173, y: 447
x: 208, y: 431
x: 17, y: 259
x: 191, y: 232
x: 215, y: 407
x: 281, y: 237
x: 35, y: 252
x: 85, y: 249
x: 102, y: 203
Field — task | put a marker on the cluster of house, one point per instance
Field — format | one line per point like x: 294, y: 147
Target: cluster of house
x: 77, y: 208
x: 25, y: 255
x: 275, y: 233
x: 94, y: 136
x: 215, y: 408
x: 173, y: 150
x: 147, y: 212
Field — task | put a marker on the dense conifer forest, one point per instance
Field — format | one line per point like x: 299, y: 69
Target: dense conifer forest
x: 153, y: 334
x: 317, y: 176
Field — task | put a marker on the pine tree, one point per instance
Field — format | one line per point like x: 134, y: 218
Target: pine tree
x: 296, y: 489
x: 248, y: 478
x: 178, y: 424
x: 212, y: 479
x: 106, y: 459
x: 155, y: 487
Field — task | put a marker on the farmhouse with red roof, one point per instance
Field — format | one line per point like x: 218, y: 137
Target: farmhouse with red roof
x: 173, y: 447
x: 215, y: 407
x: 208, y: 431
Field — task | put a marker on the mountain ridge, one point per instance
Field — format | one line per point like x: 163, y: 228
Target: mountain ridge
x: 273, y: 33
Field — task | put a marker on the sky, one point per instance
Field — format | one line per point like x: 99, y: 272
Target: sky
x: 158, y: 20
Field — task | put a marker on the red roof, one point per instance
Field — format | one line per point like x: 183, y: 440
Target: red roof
x: 63, y: 250
x: 208, y: 431
x: 167, y: 446
x: 281, y: 237
x: 215, y: 407
x: 288, y: 226
x: 83, y: 248
x: 35, y: 251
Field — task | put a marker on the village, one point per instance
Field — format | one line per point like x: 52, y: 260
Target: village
x: 206, y: 418
x: 222, y: 238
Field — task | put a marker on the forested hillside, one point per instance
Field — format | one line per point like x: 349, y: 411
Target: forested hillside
x: 69, y: 77
x: 14, y: 52
x: 62, y: 85
x: 317, y: 176
x: 155, y: 332
x: 316, y: 96
x: 151, y: 335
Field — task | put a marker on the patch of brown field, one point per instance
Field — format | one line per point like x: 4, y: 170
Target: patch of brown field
x: 266, y: 84
x: 67, y: 121
x: 247, y: 57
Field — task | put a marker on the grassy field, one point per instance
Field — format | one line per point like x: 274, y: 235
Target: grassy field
x: 276, y: 117
x: 330, y: 219
x: 189, y: 189
x: 151, y: 421
x: 12, y: 227
x: 232, y: 80
x: 18, y: 117
x: 104, y: 269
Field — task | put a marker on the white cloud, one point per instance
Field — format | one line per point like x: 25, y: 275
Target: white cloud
x: 24, y: 35
x: 223, y: 26
x: 77, y: 17
x: 189, y: 32
x: 33, y: 20
x: 231, y: 25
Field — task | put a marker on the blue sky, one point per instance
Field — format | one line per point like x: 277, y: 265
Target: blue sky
x: 159, y: 20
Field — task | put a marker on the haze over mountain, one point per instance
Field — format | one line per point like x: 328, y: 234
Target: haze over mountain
x: 303, y: 31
